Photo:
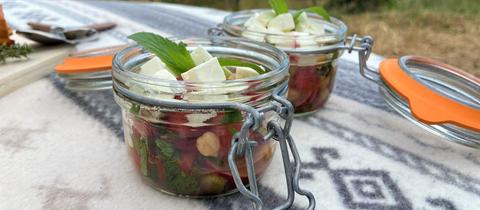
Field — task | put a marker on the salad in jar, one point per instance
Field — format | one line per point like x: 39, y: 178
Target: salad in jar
x: 309, y: 36
x: 184, y: 152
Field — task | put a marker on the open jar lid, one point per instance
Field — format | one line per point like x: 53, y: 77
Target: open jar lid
x: 440, y: 98
x: 88, y: 70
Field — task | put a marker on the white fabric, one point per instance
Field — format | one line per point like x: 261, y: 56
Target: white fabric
x: 56, y: 155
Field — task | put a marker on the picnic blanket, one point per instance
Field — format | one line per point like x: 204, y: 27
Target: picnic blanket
x: 64, y: 150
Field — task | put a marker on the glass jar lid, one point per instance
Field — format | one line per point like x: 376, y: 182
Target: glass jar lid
x: 88, y: 70
x: 438, y: 97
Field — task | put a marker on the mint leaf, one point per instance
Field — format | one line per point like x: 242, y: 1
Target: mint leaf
x: 235, y: 62
x: 232, y: 131
x: 320, y: 11
x: 297, y: 15
x: 175, y: 56
x: 232, y: 116
x: 227, y: 72
x: 176, y: 180
x: 135, y: 109
x: 279, y: 6
x: 140, y: 146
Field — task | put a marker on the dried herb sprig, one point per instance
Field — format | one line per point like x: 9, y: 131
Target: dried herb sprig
x: 14, y: 51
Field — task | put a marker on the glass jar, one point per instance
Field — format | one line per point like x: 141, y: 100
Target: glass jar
x: 313, y: 58
x: 179, y: 134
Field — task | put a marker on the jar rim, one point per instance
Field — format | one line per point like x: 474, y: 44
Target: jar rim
x: 338, y: 35
x: 128, y: 81
x: 119, y: 68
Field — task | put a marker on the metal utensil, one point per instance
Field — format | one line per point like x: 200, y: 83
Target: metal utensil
x: 51, y: 35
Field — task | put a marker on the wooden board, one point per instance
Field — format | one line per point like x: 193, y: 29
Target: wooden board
x: 16, y: 73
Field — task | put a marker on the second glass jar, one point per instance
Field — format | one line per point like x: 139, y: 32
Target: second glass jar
x: 313, y: 58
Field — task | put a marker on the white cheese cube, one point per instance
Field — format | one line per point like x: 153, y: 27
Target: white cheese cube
x: 152, y: 66
x: 200, y: 55
x: 198, y: 119
x: 245, y: 72
x: 265, y: 17
x: 305, y: 24
x: 283, y: 22
x: 209, y: 71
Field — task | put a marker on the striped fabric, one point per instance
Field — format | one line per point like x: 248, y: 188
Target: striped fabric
x: 64, y: 150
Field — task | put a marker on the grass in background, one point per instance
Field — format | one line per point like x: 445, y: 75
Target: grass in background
x: 447, y: 30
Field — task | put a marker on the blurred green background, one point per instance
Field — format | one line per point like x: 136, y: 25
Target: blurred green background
x: 448, y: 30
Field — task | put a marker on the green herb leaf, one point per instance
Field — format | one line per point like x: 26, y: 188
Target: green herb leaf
x: 320, y: 11
x: 135, y: 109
x: 14, y: 51
x: 140, y: 146
x: 279, y: 6
x: 235, y: 62
x: 175, y: 56
x: 227, y: 72
x: 297, y: 15
x: 232, y: 116
x: 176, y: 179
x: 232, y: 131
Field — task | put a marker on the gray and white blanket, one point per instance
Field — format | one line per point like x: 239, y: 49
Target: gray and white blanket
x: 64, y: 150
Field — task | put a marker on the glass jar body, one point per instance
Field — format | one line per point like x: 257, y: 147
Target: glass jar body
x: 180, y: 153
x: 311, y: 83
x: 181, y: 148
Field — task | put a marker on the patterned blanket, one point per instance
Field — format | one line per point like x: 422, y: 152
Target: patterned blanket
x: 64, y: 150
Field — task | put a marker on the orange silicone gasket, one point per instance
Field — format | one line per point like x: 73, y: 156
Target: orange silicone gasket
x: 74, y: 65
x: 425, y: 104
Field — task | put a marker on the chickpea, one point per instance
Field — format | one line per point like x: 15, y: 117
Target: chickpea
x: 208, y: 144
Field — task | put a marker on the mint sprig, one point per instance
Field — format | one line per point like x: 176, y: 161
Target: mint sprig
x: 317, y: 10
x: 320, y: 11
x: 175, y: 56
x: 279, y: 6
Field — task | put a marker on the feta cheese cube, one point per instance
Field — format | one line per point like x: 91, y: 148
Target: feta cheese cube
x: 200, y: 55
x: 265, y: 17
x: 209, y: 71
x: 283, y: 22
x: 245, y: 72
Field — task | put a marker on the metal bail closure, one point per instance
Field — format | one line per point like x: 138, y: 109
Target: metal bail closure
x: 444, y: 99
x: 241, y: 145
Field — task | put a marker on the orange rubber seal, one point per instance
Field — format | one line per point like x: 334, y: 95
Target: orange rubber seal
x: 425, y: 104
x: 74, y: 65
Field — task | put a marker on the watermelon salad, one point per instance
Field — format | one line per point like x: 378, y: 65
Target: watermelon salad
x: 299, y: 33
x: 184, y: 152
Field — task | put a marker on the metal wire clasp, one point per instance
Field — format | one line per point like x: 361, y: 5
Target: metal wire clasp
x: 216, y: 31
x: 241, y: 145
x: 363, y: 45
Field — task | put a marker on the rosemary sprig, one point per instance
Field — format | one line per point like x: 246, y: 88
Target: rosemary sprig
x: 14, y: 51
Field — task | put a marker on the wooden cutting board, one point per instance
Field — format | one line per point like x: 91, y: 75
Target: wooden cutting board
x: 16, y: 73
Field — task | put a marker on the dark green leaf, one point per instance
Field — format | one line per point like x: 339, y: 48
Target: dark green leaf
x: 135, y: 109
x: 232, y: 131
x: 175, y: 56
x: 320, y: 11
x: 177, y: 180
x: 279, y: 6
x: 232, y: 116
x: 14, y: 51
x: 235, y: 62
x: 140, y: 146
